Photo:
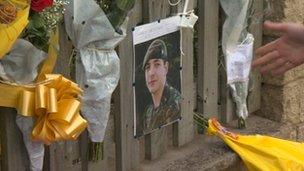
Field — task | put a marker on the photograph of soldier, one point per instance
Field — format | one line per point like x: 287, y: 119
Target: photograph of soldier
x: 157, y: 83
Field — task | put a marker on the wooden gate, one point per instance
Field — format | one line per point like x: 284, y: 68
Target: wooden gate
x: 206, y: 92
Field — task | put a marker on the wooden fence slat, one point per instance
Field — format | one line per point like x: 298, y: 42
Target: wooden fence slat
x: 127, y: 147
x: 207, y: 83
x: 154, y: 10
x: 84, y: 141
x: 227, y: 107
x: 256, y: 28
x: 13, y: 152
x: 156, y: 142
x: 108, y: 163
x: 183, y: 131
x: 64, y: 155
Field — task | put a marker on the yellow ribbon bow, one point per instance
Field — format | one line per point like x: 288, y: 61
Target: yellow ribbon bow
x: 10, y: 32
x: 54, y: 101
x: 55, y: 104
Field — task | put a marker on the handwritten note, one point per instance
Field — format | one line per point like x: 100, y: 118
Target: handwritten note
x: 156, y: 29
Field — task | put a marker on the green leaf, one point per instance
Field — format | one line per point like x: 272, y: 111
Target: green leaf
x: 125, y: 5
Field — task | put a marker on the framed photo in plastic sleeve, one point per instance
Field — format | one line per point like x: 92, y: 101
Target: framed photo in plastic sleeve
x: 156, y: 75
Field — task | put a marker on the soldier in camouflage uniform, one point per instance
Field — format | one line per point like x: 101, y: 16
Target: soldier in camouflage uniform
x: 166, y: 99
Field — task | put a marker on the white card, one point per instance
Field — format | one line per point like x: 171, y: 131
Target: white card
x: 155, y: 29
x: 239, y: 62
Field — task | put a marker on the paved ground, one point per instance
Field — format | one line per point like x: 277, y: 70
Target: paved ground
x: 210, y: 153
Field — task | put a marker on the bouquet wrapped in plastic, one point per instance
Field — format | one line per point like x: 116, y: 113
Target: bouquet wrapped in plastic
x: 95, y: 34
x: 26, y: 28
x: 258, y: 152
x: 237, y: 46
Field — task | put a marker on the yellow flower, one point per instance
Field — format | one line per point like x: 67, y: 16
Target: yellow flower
x: 8, y: 13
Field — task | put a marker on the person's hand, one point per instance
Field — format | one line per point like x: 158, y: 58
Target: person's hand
x: 284, y: 53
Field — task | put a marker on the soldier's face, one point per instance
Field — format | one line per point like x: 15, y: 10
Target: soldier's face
x: 155, y: 72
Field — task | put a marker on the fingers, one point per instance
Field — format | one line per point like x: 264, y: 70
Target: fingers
x: 266, y: 48
x: 270, y: 58
x: 277, y: 27
x: 281, y: 70
x: 275, y: 65
x: 265, y: 59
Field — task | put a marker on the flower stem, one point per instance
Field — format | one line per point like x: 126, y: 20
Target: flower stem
x: 96, y: 152
x: 201, y: 120
x: 241, y: 123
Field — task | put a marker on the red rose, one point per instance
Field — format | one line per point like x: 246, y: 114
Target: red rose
x: 39, y: 5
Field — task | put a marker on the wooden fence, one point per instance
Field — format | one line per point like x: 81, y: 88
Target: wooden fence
x: 207, y: 93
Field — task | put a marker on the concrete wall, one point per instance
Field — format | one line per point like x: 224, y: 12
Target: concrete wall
x: 283, y: 96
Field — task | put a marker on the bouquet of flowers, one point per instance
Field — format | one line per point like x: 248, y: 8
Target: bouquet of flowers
x: 13, y: 19
x: 258, y: 152
x: 44, y: 18
x: 27, y: 27
x: 116, y: 11
x: 95, y: 28
x: 34, y: 29
x: 237, y: 46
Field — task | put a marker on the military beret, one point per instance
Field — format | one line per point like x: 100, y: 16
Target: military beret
x: 156, y: 50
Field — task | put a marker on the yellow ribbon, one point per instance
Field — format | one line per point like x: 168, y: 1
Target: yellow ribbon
x: 50, y: 61
x: 53, y: 102
x: 10, y: 32
x: 261, y: 152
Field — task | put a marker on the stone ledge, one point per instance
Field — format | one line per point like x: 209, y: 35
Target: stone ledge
x: 300, y: 132
x: 283, y: 103
x: 289, y: 77
x: 210, y: 153
x: 284, y: 11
